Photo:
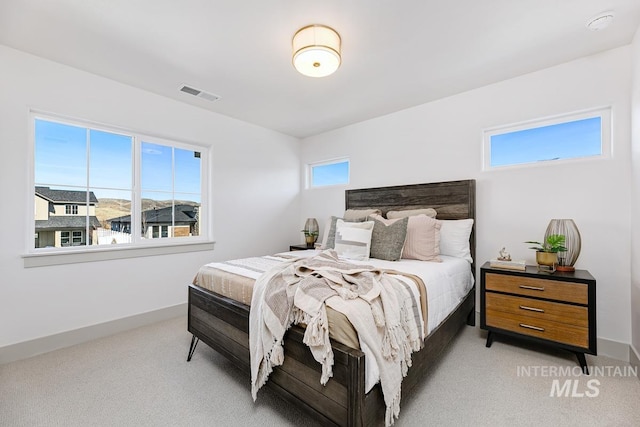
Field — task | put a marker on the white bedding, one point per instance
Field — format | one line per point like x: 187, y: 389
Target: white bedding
x: 447, y: 282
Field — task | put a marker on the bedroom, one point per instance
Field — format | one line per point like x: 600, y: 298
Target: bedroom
x: 51, y: 306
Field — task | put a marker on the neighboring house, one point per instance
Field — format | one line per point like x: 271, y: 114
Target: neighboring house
x: 61, y: 217
x: 157, y: 223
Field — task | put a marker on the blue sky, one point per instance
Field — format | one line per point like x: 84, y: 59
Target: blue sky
x: 330, y: 174
x: 61, y: 162
x: 579, y: 138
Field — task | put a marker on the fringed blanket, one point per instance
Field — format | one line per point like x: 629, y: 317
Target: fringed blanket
x: 379, y: 306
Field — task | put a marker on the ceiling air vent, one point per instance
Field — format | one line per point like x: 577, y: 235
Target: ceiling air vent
x: 199, y: 93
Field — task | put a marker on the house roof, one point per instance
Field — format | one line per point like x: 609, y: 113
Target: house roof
x: 65, y: 196
x: 184, y: 214
x: 66, y: 222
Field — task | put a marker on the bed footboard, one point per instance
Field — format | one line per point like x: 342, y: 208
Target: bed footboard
x: 223, y: 324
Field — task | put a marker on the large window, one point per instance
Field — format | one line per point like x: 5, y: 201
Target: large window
x: 97, y: 186
x: 334, y: 172
x: 575, y: 136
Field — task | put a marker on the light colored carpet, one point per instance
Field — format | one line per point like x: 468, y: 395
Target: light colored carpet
x: 141, y: 378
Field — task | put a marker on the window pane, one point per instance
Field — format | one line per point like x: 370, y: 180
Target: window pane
x: 157, y: 210
x: 60, y: 154
x: 330, y: 174
x: 187, y: 169
x: 187, y: 216
x: 64, y: 238
x: 77, y: 238
x: 578, y: 138
x: 114, y: 214
x: 59, y: 211
x: 110, y: 160
x: 156, y: 170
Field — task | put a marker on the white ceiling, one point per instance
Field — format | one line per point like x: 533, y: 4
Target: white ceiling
x: 396, y: 54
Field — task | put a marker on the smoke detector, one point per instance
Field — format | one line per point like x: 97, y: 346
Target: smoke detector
x: 601, y: 21
x: 199, y: 93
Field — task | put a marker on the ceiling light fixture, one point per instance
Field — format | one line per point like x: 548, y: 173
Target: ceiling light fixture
x: 316, y: 50
x: 601, y: 21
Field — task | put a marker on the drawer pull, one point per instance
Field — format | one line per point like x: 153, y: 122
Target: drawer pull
x: 537, y: 310
x: 535, y: 328
x: 532, y: 288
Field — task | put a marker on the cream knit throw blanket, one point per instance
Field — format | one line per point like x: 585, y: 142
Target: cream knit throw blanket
x: 298, y: 291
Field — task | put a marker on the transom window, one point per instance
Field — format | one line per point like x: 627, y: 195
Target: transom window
x: 574, y: 136
x: 113, y: 187
x: 335, y: 172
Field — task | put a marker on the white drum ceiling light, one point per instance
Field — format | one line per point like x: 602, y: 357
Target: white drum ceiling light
x: 316, y: 50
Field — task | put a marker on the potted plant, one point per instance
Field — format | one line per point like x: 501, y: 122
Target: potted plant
x: 547, y: 252
x: 310, y: 237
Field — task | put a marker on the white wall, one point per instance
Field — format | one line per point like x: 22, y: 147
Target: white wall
x: 635, y: 198
x: 442, y: 140
x: 255, y: 199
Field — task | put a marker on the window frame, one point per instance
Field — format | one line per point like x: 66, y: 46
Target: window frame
x: 53, y: 256
x: 75, y: 235
x: 65, y: 238
x: 309, y: 172
x: 604, y: 113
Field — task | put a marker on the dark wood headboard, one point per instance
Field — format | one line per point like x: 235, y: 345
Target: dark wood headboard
x: 451, y: 199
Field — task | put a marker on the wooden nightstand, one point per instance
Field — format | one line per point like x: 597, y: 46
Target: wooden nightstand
x: 302, y: 247
x: 558, y: 309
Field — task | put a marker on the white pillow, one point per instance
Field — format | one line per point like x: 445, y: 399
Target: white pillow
x: 328, y: 240
x: 353, y: 239
x: 325, y: 234
x: 454, y: 238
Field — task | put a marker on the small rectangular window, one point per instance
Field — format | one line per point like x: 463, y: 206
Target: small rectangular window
x: 71, y: 210
x: 574, y: 136
x: 329, y: 173
x: 64, y: 238
x: 77, y: 238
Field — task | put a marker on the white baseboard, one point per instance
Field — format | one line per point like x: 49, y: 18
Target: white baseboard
x: 614, y: 349
x: 25, y: 349
x: 634, y: 359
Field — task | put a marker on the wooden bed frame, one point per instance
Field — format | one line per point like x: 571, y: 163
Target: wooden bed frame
x: 223, y: 323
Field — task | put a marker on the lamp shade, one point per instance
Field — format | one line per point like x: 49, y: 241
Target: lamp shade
x: 573, y: 242
x: 316, y: 51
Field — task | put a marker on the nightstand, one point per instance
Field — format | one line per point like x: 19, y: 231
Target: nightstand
x: 301, y: 247
x: 557, y: 309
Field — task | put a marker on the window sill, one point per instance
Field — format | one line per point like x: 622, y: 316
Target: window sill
x: 74, y: 257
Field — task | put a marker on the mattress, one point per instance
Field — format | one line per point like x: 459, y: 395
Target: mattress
x: 446, y: 282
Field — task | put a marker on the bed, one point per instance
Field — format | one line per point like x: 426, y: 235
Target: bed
x: 223, y: 323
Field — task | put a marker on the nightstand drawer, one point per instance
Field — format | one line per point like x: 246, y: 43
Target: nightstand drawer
x: 538, y: 309
x: 538, y: 288
x: 540, y: 328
